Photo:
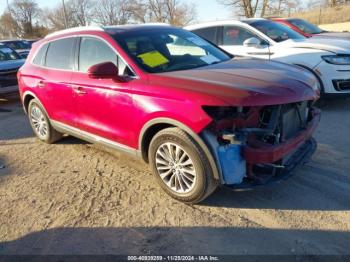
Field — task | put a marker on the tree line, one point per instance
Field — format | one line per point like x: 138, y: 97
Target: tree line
x: 25, y: 18
x: 266, y: 8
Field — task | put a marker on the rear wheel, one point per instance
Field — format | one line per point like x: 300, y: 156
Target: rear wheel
x: 180, y: 166
x: 40, y: 123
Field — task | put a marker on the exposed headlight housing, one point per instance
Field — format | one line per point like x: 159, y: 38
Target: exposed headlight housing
x: 337, y: 59
x: 225, y: 112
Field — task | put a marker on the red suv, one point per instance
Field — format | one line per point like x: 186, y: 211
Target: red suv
x: 200, y: 117
x: 307, y: 29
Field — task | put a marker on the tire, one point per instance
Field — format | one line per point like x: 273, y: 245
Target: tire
x: 40, y: 123
x: 188, y: 177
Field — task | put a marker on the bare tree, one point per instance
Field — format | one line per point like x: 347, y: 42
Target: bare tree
x: 247, y: 8
x: 112, y: 12
x: 24, y: 12
x: 82, y: 11
x: 55, y: 19
x: 265, y: 7
x: 335, y: 3
x: 9, y: 27
x: 174, y: 12
x: 78, y: 13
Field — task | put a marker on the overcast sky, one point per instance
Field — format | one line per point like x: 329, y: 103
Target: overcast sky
x: 207, y: 10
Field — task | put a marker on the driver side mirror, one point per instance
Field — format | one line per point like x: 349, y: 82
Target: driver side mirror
x: 105, y: 70
x: 252, y: 42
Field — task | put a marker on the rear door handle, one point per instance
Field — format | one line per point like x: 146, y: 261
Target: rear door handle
x: 79, y: 90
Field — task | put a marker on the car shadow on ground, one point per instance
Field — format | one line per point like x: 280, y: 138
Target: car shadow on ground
x: 70, y: 140
x: 178, y: 241
x: 334, y: 103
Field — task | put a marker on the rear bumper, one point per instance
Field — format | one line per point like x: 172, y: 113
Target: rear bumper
x: 272, y: 153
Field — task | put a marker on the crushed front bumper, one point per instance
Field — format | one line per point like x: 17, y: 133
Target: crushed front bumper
x: 273, y: 153
x: 273, y: 163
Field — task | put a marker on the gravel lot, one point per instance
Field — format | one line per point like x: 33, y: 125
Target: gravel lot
x: 78, y: 198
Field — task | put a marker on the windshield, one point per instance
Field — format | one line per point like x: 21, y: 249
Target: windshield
x: 276, y: 31
x: 166, y: 50
x: 7, y: 54
x: 305, y: 26
x: 18, y: 44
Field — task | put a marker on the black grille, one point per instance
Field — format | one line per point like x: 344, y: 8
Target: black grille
x: 8, y: 78
x: 285, y: 121
x: 341, y: 85
x: 294, y: 118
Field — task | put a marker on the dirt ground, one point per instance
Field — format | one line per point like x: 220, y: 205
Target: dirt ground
x: 78, y: 198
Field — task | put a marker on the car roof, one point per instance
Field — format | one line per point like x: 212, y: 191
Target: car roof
x: 109, y: 29
x: 213, y: 23
x: 224, y: 22
x: 253, y: 20
x: 12, y: 40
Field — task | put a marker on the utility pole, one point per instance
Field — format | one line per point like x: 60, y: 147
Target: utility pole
x: 64, y: 14
x: 8, y: 5
x: 10, y: 13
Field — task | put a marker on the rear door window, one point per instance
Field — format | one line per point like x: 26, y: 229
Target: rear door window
x: 234, y: 35
x: 209, y: 34
x: 60, y: 54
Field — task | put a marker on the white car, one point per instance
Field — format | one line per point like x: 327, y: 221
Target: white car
x: 327, y: 59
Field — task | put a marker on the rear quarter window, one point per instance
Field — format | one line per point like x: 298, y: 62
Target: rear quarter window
x: 60, y: 54
x: 40, y: 56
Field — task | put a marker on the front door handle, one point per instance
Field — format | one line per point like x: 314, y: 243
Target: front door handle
x: 79, y: 90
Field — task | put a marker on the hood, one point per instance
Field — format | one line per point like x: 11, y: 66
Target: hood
x: 246, y: 82
x: 338, y: 35
x: 336, y: 46
x: 11, y: 64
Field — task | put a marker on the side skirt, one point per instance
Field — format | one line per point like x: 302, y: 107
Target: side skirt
x: 66, y: 129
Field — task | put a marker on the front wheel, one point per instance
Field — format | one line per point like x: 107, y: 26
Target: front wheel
x: 180, y: 166
x: 40, y: 123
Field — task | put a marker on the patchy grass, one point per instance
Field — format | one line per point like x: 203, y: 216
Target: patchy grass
x: 339, y: 27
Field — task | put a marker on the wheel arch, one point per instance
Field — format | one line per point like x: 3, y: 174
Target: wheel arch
x: 27, y: 97
x: 155, y: 125
x: 314, y: 73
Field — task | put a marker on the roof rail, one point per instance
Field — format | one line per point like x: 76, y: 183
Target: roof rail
x: 75, y: 29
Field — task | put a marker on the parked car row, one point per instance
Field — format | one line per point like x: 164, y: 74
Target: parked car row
x: 328, y: 60
x: 22, y: 47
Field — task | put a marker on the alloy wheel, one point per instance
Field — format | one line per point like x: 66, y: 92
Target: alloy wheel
x: 39, y: 122
x: 175, y: 167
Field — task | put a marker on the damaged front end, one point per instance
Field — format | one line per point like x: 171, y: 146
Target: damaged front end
x: 257, y: 145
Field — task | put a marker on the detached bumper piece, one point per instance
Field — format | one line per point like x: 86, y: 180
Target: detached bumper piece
x: 273, y: 173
